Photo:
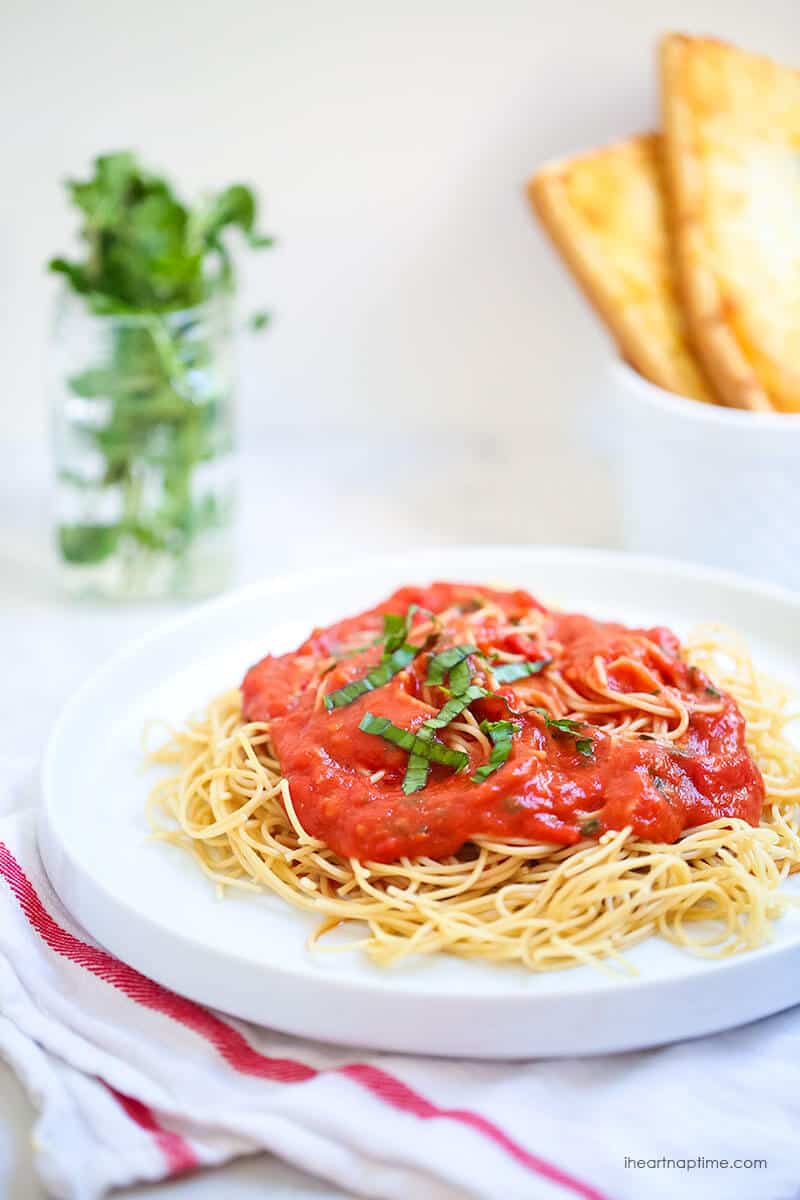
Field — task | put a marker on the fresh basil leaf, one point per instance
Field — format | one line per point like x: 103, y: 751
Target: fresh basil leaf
x: 559, y: 724
x: 381, y: 674
x: 87, y: 544
x: 397, y: 655
x: 235, y: 207
x: 460, y: 676
x: 501, y: 734
x: 418, y: 769
x: 455, y: 707
x: 415, y: 743
x: 499, y: 729
x: 563, y: 725
x: 584, y: 745
x: 416, y: 775
x: 442, y: 664
x: 148, y: 254
x: 396, y: 628
x: 510, y: 672
x: 75, y: 274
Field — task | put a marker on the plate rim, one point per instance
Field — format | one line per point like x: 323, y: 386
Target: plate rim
x: 400, y: 985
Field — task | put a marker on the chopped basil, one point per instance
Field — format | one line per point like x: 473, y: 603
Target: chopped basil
x: 590, y: 826
x: 501, y: 733
x: 442, y: 664
x: 712, y: 691
x: 416, y: 775
x: 584, y: 745
x: 397, y: 655
x: 560, y: 724
x: 451, y: 669
x: 413, y: 743
x: 455, y: 706
x: 563, y: 725
x: 659, y: 783
x: 397, y: 627
x: 377, y: 677
x: 510, y: 672
x: 460, y: 677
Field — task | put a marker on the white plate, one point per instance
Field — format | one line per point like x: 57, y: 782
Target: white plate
x: 150, y: 905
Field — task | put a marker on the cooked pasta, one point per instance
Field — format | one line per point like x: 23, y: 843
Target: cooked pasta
x: 715, y: 889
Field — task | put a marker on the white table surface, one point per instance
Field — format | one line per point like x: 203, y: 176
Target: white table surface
x: 305, y: 498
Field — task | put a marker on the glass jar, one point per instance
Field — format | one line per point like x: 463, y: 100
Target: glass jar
x: 143, y: 427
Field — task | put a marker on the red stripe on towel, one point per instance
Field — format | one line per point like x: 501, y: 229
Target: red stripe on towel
x: 178, y: 1154
x: 243, y: 1057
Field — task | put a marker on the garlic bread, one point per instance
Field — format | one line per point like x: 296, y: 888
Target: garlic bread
x: 732, y: 156
x: 605, y: 212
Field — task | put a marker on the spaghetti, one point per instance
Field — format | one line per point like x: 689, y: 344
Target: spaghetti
x: 617, y: 718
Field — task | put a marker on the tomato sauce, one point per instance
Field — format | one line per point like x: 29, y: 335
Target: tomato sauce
x: 346, y: 784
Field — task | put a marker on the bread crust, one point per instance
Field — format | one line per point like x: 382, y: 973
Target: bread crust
x: 728, y: 117
x: 605, y: 213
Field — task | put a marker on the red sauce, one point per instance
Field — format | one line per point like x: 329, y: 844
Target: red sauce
x: 547, y: 790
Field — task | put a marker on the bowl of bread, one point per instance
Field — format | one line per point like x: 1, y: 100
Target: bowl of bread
x: 686, y: 241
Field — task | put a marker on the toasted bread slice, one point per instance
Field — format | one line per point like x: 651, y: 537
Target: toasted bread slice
x: 605, y: 211
x: 732, y: 140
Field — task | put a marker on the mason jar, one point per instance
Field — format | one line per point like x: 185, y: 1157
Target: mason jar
x: 143, y: 436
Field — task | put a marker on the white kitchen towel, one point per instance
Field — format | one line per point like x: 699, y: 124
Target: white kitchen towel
x: 132, y: 1082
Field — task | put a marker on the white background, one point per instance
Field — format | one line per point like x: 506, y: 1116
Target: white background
x: 431, y: 372
x: 390, y: 144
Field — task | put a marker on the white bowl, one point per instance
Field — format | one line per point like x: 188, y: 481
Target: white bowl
x: 701, y: 482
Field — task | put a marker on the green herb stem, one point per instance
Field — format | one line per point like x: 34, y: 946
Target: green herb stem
x: 152, y: 261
